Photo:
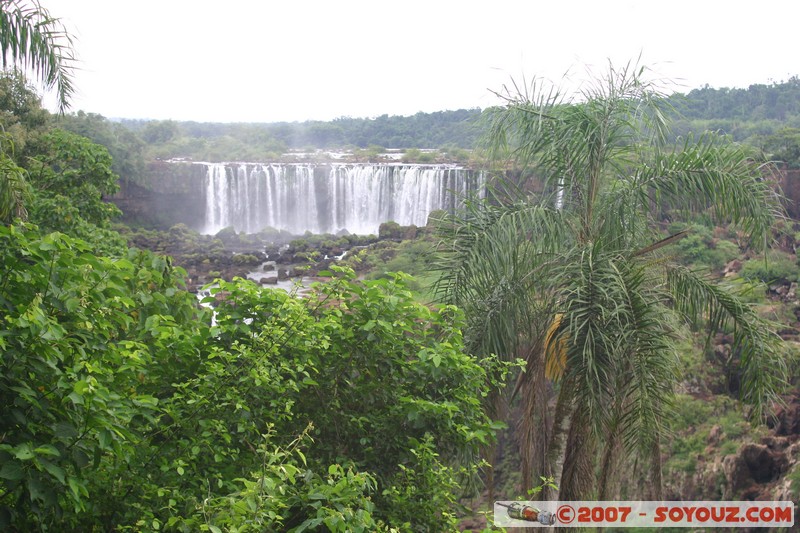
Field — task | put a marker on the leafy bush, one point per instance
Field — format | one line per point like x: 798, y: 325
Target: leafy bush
x: 127, y: 410
x: 700, y: 247
x: 776, y: 268
x: 77, y: 345
x: 286, y: 495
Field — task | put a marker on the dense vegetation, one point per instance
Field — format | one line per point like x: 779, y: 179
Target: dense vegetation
x: 118, y: 385
x: 423, y: 130
x: 130, y: 406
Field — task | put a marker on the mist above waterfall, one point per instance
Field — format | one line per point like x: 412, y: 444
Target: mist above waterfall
x: 329, y: 198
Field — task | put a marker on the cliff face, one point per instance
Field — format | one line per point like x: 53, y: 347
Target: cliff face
x: 764, y: 470
x: 172, y: 193
x: 790, y: 184
x: 316, y: 197
x: 175, y: 193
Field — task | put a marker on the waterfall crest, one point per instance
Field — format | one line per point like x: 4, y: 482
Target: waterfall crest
x: 328, y: 198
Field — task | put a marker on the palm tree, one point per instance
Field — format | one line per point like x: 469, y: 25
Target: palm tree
x: 33, y: 40
x: 578, y: 281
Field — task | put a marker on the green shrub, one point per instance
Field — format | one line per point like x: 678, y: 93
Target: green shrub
x: 246, y: 259
x: 700, y: 247
x: 775, y: 268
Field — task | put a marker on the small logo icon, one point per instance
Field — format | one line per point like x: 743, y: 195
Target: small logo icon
x: 520, y: 511
x: 565, y: 514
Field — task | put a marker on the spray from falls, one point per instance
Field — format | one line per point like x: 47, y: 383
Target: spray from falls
x: 331, y: 198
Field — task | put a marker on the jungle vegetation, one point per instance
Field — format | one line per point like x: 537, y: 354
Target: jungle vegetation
x: 129, y: 406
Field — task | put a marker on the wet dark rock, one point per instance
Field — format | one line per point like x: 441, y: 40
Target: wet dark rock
x: 786, y: 421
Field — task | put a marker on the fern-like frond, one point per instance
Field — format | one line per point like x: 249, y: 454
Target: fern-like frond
x: 761, y: 352
x: 30, y: 38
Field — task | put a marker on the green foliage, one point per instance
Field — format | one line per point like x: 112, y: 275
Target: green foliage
x: 700, y: 247
x: 777, y: 101
x: 260, y: 142
x: 284, y: 489
x: 415, y: 155
x: 774, y: 268
x: 345, y: 410
x: 425, y: 487
x: 454, y: 153
x: 75, y: 348
x: 412, y: 256
x: 369, y: 368
x: 71, y: 168
x: 246, y: 259
x: 21, y: 114
x: 404, y: 383
x: 160, y: 131
x: 124, y: 146
x: 69, y: 177
x: 33, y: 40
x: 390, y: 230
x: 784, y: 146
x: 370, y: 153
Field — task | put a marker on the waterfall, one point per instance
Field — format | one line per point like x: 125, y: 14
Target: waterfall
x: 332, y: 197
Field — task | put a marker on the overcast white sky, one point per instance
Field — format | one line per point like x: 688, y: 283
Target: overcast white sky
x: 294, y: 60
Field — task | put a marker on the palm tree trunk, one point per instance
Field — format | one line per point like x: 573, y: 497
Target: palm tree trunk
x: 534, y: 427
x: 555, y: 444
x: 607, y: 482
x: 655, y: 471
x: 577, y: 479
x: 612, y: 451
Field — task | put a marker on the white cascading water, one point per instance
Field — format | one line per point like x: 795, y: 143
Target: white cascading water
x: 330, y: 198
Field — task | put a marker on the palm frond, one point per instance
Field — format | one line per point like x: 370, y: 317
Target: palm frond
x: 761, y: 351
x: 591, y: 333
x: 493, y: 261
x: 13, y: 190
x: 35, y: 41
x: 715, y: 175
x: 618, y: 334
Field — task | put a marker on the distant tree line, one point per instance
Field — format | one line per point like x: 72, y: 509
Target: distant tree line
x: 765, y: 116
x: 423, y: 130
x: 778, y: 101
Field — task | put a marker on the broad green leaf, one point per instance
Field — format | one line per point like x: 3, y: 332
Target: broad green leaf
x: 23, y: 452
x: 47, y: 449
x: 71, y: 304
x: 11, y: 470
x: 54, y: 470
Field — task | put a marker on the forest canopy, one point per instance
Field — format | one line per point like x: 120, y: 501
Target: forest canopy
x: 130, y: 404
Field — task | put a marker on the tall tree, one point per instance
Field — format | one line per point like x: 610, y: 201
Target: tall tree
x: 576, y: 280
